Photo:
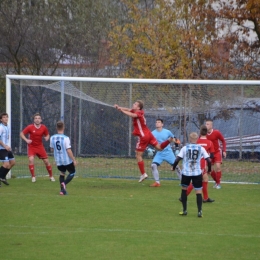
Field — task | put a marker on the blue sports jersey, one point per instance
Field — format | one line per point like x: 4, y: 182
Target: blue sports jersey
x: 4, y: 135
x: 60, y: 143
x: 162, y: 136
x: 191, y: 155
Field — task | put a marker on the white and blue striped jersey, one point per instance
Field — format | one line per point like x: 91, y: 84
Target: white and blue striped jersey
x: 162, y: 136
x: 191, y: 155
x: 4, y: 135
x: 60, y: 143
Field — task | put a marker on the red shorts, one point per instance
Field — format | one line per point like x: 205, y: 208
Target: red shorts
x: 217, y: 158
x: 38, y: 151
x: 143, y: 141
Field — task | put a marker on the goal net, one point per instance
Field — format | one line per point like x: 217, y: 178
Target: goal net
x: 101, y: 136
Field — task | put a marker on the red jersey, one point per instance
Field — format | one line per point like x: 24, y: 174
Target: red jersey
x: 215, y: 136
x: 139, y: 123
x: 208, y: 146
x: 36, y: 134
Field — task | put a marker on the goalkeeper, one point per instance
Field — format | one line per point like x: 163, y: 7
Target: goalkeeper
x: 143, y: 133
x: 161, y: 134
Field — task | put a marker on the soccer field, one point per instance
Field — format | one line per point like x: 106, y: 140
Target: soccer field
x: 124, y: 219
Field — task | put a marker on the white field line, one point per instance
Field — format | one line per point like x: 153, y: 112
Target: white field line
x: 109, y: 230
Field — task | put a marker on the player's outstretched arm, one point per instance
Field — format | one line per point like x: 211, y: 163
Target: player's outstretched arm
x: 121, y: 108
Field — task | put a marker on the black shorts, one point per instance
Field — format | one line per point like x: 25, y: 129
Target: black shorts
x: 70, y: 168
x: 5, y: 155
x: 196, y: 181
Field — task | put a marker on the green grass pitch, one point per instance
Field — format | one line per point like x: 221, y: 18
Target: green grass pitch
x: 124, y: 219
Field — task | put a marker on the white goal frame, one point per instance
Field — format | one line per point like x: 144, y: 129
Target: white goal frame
x: 129, y: 81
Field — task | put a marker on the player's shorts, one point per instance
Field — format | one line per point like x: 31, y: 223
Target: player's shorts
x: 196, y: 181
x: 6, y: 156
x: 144, y: 141
x: 217, y: 158
x: 37, y: 151
x: 164, y: 156
x: 70, y: 168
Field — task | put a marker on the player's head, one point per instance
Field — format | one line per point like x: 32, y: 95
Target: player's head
x: 159, y: 123
x: 209, y: 125
x: 193, y: 137
x: 138, y: 105
x: 37, y: 119
x: 203, y: 130
x: 4, y: 118
x: 60, y: 126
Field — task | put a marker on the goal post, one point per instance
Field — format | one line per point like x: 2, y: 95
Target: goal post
x: 101, y: 136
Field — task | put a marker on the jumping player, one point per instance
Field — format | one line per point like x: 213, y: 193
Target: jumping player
x: 143, y: 133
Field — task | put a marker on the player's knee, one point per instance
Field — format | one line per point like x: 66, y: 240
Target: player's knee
x: 154, y: 166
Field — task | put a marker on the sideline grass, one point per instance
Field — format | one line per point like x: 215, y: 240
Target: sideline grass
x: 123, y: 219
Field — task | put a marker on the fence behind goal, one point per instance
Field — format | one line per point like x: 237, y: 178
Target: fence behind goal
x: 101, y: 136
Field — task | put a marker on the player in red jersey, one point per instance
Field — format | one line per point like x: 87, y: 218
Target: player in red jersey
x: 143, y: 134
x: 36, y: 132
x: 208, y: 146
x: 216, y: 137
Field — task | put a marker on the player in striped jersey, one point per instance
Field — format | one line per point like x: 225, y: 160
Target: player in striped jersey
x: 6, y: 155
x: 191, y: 171
x: 63, y: 156
x: 143, y: 133
x: 208, y: 145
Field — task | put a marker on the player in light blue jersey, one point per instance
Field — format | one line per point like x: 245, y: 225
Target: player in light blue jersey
x: 166, y: 155
x: 63, y: 156
x: 6, y: 155
x: 191, y: 171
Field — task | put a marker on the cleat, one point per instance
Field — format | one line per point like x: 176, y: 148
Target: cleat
x: 143, y: 177
x: 52, y: 178
x: 61, y: 193
x: 4, y: 181
x: 33, y: 179
x: 208, y: 200
x: 180, y: 199
x: 155, y: 184
x: 200, y: 214
x: 215, y: 186
x: 63, y: 188
x: 218, y: 187
x: 183, y: 213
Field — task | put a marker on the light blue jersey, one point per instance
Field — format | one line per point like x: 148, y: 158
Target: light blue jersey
x: 60, y: 143
x: 4, y: 135
x: 191, y: 155
x: 166, y: 154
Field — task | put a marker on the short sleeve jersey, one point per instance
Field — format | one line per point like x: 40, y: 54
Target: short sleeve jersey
x: 215, y: 136
x: 209, y: 147
x: 36, y: 134
x: 4, y: 134
x: 162, y: 136
x: 60, y: 143
x: 191, y: 155
x: 139, y: 123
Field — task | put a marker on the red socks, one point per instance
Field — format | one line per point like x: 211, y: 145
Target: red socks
x: 218, y: 177
x: 214, y: 176
x: 205, y: 190
x: 31, y: 168
x: 49, y: 169
x: 141, y: 167
x: 189, y: 189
